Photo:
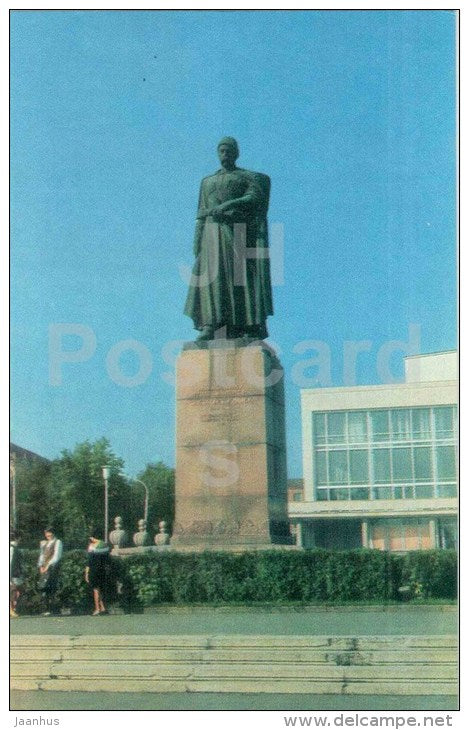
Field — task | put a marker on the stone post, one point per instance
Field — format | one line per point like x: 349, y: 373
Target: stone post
x: 162, y: 537
x: 118, y: 536
x: 142, y: 537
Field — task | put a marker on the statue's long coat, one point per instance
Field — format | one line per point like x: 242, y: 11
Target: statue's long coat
x: 217, y: 297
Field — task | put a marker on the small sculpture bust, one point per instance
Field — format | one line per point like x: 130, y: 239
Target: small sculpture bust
x: 118, y: 536
x: 141, y: 538
x: 162, y: 538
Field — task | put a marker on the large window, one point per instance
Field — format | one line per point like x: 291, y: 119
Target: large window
x: 321, y: 468
x: 319, y: 428
x: 402, y: 465
x: 400, y: 535
x: 381, y: 466
x: 357, y: 427
x: 423, y: 464
x: 401, y: 429
x: 338, y: 472
x: 444, y: 418
x: 379, y: 425
x: 358, y: 466
x: 336, y: 428
x: 399, y: 453
x: 446, y: 463
x: 421, y: 428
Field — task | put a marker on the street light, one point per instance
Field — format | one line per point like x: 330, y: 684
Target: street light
x: 106, y: 475
x: 145, y: 504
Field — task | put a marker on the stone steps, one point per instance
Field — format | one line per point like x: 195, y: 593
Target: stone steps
x: 411, y: 665
x: 287, y: 656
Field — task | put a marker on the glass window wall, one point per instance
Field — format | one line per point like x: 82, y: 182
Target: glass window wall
x: 400, y: 453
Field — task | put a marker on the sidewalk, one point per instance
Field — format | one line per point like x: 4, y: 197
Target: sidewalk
x: 338, y: 621
x: 105, y: 701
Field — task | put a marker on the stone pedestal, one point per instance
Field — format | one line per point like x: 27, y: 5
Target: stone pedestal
x: 231, y: 485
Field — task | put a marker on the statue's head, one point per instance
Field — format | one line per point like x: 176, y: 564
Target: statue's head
x: 228, y: 151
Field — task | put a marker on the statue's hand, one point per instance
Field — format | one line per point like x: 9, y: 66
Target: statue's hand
x: 218, y: 215
x: 220, y: 212
x: 217, y: 212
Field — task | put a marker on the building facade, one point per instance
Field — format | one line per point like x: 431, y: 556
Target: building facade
x: 380, y: 462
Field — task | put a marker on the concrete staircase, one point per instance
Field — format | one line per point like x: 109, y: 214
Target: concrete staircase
x: 397, y: 665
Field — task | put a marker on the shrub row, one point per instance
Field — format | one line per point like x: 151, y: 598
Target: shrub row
x: 310, y: 576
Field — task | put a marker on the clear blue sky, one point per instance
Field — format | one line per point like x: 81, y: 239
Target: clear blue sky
x: 115, y: 117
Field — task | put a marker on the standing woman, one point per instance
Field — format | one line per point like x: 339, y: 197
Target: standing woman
x: 95, y: 571
x: 50, y: 555
x: 16, y: 574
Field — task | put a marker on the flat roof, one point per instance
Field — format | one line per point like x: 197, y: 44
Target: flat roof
x: 431, y: 354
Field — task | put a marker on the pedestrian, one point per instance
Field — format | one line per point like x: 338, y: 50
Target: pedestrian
x: 16, y: 574
x: 51, y: 550
x: 97, y: 569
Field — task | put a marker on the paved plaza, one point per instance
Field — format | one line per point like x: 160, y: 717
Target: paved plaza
x: 340, y: 621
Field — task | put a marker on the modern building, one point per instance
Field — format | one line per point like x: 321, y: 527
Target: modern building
x: 380, y: 462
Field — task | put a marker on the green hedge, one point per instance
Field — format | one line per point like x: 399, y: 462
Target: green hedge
x: 310, y: 576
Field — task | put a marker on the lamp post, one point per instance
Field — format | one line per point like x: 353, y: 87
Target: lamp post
x: 145, y: 504
x: 106, y: 475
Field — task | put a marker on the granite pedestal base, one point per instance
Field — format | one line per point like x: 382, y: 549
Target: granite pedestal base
x: 231, y: 485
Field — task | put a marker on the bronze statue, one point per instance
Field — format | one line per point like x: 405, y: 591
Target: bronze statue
x: 230, y: 290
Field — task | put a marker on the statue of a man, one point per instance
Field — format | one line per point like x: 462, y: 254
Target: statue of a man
x: 230, y: 290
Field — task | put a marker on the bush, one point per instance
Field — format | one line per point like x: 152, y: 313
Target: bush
x: 272, y: 576
x: 432, y: 573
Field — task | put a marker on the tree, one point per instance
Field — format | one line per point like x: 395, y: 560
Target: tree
x: 32, y: 500
x: 76, y: 492
x: 68, y: 494
x: 159, y: 479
